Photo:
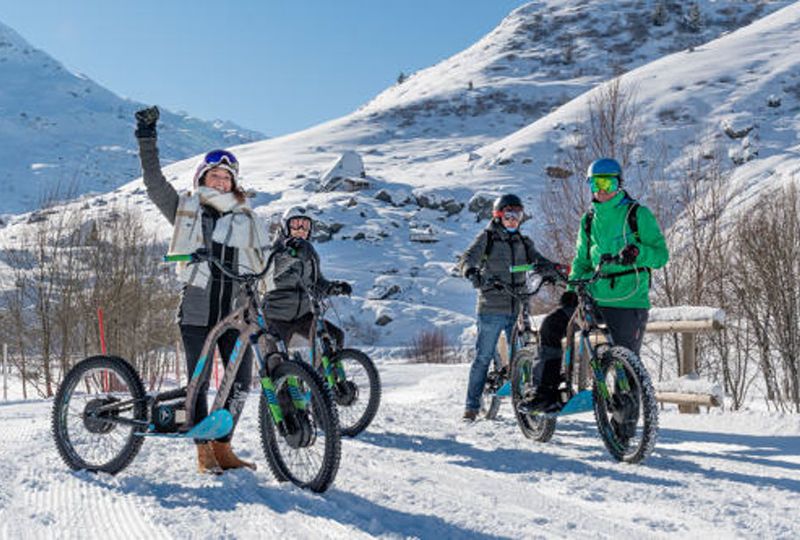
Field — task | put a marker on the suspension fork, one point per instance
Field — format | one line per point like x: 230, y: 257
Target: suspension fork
x: 299, y: 401
x: 332, y: 371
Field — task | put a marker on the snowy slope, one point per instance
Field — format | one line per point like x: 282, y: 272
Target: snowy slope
x: 687, y: 97
x: 60, y: 127
x: 419, y: 472
x: 739, y: 93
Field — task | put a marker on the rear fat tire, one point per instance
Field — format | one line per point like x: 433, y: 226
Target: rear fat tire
x: 537, y: 427
x: 492, y: 408
x: 325, y: 414
x: 125, y: 372
x: 648, y: 408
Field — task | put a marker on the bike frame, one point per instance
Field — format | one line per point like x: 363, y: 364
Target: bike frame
x: 584, y: 322
x: 250, y: 324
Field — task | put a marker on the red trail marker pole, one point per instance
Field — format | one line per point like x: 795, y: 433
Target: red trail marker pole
x: 102, y: 331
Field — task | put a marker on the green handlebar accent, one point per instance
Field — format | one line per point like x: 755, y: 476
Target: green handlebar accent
x: 178, y: 258
x: 521, y: 268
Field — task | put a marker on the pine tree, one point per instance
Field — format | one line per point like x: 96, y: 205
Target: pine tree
x: 660, y: 14
x: 694, y: 19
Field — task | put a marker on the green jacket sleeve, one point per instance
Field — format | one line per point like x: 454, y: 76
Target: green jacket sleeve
x: 581, y: 264
x: 653, y: 251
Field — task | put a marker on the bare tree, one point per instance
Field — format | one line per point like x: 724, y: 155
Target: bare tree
x: 611, y: 128
x: 769, y: 235
x: 63, y: 270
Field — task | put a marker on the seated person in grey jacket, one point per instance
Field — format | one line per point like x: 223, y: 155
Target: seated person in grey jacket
x: 486, y: 263
x: 294, y: 267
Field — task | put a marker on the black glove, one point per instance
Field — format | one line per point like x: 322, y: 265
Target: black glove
x: 474, y: 277
x: 568, y: 299
x: 628, y: 254
x: 551, y: 272
x: 295, y: 244
x: 146, y: 120
x: 339, y: 288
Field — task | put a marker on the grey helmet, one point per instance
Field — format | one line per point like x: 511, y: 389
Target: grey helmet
x: 295, y: 212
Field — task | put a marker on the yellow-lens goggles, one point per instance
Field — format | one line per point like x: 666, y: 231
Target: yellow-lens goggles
x: 608, y: 184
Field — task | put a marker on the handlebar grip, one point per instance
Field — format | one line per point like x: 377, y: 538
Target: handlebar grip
x: 521, y: 268
x: 179, y: 258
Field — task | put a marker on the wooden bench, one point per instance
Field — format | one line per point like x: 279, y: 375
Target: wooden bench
x: 676, y: 321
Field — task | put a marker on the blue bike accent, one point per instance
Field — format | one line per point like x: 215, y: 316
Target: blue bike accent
x: 214, y: 426
x: 199, y: 368
x: 580, y: 402
x: 505, y: 390
x: 271, y: 397
x: 237, y: 348
x: 296, y: 395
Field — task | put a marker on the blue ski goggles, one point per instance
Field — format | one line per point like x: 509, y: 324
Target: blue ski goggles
x: 220, y: 157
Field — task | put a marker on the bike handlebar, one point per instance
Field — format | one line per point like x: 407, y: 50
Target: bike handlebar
x: 202, y: 255
x: 605, y: 259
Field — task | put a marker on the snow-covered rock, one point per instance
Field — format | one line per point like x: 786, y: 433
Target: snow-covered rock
x: 346, y: 173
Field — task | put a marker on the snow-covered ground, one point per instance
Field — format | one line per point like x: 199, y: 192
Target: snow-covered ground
x: 419, y: 472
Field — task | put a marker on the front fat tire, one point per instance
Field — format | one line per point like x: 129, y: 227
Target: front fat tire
x: 324, y: 409
x: 120, y: 368
x: 540, y: 428
x: 647, y: 433
x: 374, y: 391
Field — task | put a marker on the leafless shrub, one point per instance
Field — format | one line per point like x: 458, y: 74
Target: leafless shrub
x: 64, y: 269
x: 768, y: 268
x: 431, y: 347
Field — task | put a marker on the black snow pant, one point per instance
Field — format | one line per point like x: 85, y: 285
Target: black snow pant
x: 302, y: 326
x: 627, y: 329
x: 193, y: 339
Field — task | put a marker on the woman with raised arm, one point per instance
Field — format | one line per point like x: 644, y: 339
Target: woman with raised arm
x: 217, y: 217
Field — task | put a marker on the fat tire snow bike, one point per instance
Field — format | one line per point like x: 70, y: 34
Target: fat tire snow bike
x: 498, y: 378
x: 349, y: 373
x: 101, y: 413
x: 622, y: 395
x: 523, y: 351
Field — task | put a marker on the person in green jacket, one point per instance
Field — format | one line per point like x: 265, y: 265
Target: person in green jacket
x: 617, y: 225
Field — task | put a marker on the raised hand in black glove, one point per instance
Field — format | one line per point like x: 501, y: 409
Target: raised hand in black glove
x: 628, y: 254
x: 146, y: 120
x: 339, y: 288
x: 474, y: 277
x: 295, y: 244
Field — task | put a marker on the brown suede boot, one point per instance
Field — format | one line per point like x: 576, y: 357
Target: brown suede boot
x: 227, y: 459
x: 206, y: 460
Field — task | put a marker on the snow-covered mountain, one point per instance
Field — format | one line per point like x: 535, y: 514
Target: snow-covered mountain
x: 61, y: 128
x: 397, y: 239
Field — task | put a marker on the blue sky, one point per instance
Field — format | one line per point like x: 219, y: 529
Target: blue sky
x: 274, y: 66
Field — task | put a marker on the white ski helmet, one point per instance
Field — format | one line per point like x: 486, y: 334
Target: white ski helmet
x: 295, y: 212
